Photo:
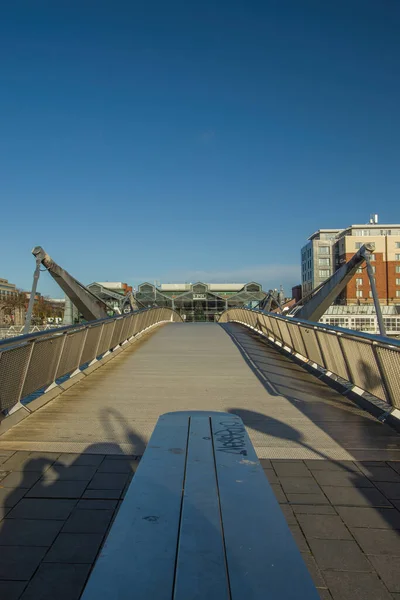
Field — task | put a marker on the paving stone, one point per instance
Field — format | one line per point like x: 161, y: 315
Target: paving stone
x: 265, y: 463
x: 380, y: 473
x: 89, y: 460
x: 21, y: 479
x: 377, y: 518
x: 329, y: 527
x: 342, y: 479
x: 378, y: 541
x: 324, y: 594
x: 28, y: 532
x: 57, y: 581
x: 313, y: 569
x: 278, y: 491
x: 299, y: 485
x: 341, y: 555
x: 388, y: 568
x: 390, y: 490
x: 299, y: 538
x: 103, y: 494
x: 20, y: 562
x: 4, y: 510
x: 289, y: 516
x: 119, y: 466
x: 298, y: 469
x: 311, y: 509
x: 38, y: 508
x: 30, y: 461
x: 319, y: 498
x: 328, y: 465
x: 355, y: 586
x: 9, y: 498
x: 355, y: 497
x: 108, y: 481
x: 97, y: 504
x: 74, y: 548
x: 271, y: 476
x: 11, y: 590
x: 70, y: 473
x: 82, y: 521
x: 58, y: 489
x: 394, y: 465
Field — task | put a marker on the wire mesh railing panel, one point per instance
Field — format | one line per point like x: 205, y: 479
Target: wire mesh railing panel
x: 105, y: 340
x: 92, y: 341
x: 275, y: 328
x: 333, y: 355
x: 311, y: 344
x: 70, y: 354
x: 297, y: 340
x: 116, y: 336
x: 363, y: 366
x: 43, y: 364
x: 13, y: 364
x: 285, y: 335
x: 125, y: 329
x: 390, y: 364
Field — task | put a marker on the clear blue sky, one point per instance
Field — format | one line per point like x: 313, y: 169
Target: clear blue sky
x: 179, y: 141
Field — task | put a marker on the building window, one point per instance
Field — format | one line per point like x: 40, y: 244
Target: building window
x: 359, y: 294
x: 358, y: 245
x: 397, y: 269
x: 397, y: 257
x: 366, y: 232
x: 370, y: 294
x: 324, y: 249
x: 397, y: 293
x: 372, y: 257
x: 397, y: 280
x: 359, y: 270
x: 358, y: 281
x: 397, y: 244
x: 324, y: 262
x: 324, y: 273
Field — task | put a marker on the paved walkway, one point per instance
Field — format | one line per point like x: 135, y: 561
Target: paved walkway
x: 335, y: 469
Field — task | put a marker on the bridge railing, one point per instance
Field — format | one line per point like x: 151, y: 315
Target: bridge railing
x: 35, y: 361
x: 371, y: 363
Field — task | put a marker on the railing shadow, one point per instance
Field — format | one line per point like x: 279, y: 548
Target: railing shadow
x: 56, y: 511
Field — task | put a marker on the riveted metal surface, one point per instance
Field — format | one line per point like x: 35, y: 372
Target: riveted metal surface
x: 334, y: 360
x: 285, y: 335
x: 116, y: 336
x: 311, y: 343
x: 298, y: 343
x: 363, y: 367
x: 13, y: 365
x: 70, y: 353
x: 105, y: 340
x: 91, y: 343
x: 390, y: 365
x: 43, y: 364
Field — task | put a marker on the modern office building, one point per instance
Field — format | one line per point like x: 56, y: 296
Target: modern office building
x: 199, y: 301
x: 327, y: 249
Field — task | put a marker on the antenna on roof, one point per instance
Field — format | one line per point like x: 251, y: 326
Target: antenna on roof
x: 373, y: 219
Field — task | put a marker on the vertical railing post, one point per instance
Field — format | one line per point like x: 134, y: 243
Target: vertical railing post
x: 389, y: 396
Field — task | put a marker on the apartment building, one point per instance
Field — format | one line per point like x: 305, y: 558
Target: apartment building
x: 327, y: 249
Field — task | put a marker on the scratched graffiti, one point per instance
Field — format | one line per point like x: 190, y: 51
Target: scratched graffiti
x: 231, y: 438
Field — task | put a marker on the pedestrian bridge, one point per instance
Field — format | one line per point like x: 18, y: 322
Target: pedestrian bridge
x: 80, y: 404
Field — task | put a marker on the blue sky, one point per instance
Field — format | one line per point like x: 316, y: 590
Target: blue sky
x: 177, y: 141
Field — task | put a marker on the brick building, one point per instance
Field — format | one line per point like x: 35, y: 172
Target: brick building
x: 327, y: 250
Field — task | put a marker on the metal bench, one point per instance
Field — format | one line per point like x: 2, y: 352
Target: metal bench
x: 200, y: 521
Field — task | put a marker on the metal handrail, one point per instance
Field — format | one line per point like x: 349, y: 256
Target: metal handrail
x: 367, y: 362
x: 29, y: 337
